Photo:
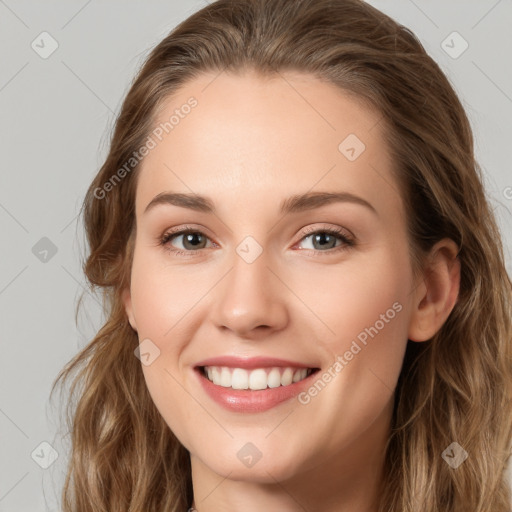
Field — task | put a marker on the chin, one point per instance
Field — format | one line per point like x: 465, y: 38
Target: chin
x: 260, y: 461
x: 264, y: 472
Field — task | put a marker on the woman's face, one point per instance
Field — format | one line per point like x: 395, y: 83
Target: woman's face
x: 296, y: 260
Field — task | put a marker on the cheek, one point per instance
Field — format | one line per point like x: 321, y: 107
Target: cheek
x: 365, y: 307
x: 173, y: 402
x: 365, y: 293
x: 165, y: 300
x: 163, y: 296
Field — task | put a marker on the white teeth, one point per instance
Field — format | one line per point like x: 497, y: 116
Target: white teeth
x: 239, y: 379
x: 225, y: 378
x: 287, y: 377
x: 300, y: 374
x: 274, y: 378
x: 259, y: 378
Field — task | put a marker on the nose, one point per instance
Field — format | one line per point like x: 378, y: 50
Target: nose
x: 251, y: 300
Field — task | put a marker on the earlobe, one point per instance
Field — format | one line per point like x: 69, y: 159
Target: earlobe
x: 127, y: 303
x: 437, y: 294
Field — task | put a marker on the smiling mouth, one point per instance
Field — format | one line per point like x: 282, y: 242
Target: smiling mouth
x: 255, y: 379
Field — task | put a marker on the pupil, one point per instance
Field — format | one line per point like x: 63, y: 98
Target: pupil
x: 192, y: 239
x: 321, y: 239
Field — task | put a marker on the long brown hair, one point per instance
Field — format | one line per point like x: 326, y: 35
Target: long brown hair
x: 454, y: 388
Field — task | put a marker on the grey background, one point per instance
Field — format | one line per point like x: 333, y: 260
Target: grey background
x: 56, y: 114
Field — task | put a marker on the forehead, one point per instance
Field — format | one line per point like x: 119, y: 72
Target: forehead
x: 289, y: 132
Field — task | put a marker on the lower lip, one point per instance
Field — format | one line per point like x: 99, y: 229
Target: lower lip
x: 246, y: 400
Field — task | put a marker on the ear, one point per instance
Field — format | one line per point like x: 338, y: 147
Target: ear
x: 127, y: 302
x: 437, y: 292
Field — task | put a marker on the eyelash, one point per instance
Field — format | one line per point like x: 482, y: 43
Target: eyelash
x: 347, y: 241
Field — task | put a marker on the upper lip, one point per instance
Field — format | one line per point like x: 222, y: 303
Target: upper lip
x: 251, y: 362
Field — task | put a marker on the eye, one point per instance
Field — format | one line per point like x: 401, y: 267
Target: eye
x: 190, y: 239
x: 326, y: 240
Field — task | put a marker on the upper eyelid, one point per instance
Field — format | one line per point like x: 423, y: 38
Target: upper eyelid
x: 342, y: 230
x: 306, y: 230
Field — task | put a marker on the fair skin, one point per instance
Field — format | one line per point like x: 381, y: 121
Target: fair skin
x: 250, y: 144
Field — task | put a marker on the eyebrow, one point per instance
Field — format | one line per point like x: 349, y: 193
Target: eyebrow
x: 293, y: 204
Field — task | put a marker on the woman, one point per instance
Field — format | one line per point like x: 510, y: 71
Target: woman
x: 307, y: 304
